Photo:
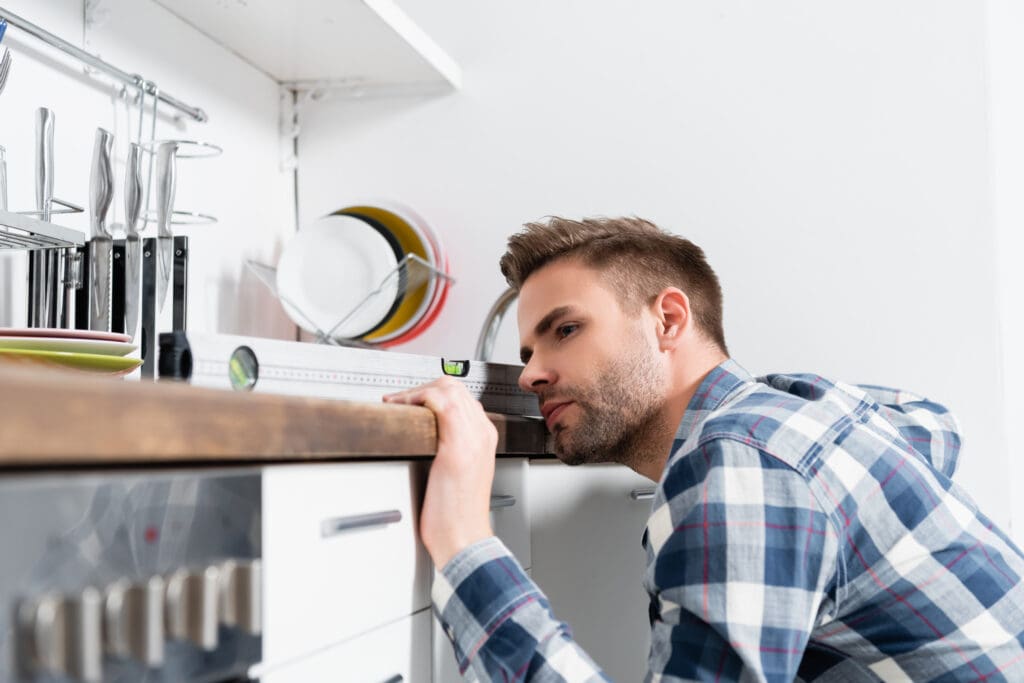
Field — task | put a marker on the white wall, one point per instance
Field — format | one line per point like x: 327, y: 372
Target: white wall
x: 243, y: 188
x: 831, y: 157
x: 1006, y: 83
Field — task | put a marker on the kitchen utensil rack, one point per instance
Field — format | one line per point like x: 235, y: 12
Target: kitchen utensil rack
x: 187, y: 149
x: 95, y: 62
x: 21, y: 231
x: 410, y: 273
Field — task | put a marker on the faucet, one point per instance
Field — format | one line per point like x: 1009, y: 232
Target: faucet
x: 485, y: 344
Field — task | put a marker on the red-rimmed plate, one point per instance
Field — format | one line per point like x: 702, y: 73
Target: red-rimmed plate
x: 431, y: 315
x: 63, y: 333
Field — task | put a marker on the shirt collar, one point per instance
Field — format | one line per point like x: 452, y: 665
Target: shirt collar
x: 712, y: 392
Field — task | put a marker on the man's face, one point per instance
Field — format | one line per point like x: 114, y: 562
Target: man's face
x: 594, y: 367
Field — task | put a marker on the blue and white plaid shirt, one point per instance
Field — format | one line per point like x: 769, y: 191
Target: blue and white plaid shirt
x: 802, y: 529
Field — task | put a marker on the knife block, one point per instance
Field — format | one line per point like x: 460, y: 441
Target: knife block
x: 178, y: 287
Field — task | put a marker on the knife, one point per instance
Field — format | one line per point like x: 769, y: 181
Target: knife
x: 40, y: 310
x: 165, y: 160
x: 101, y: 245
x: 133, y: 242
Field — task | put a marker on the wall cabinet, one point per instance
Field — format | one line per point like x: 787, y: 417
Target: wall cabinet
x: 365, y: 44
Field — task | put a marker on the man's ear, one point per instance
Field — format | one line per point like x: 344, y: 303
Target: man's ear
x: 671, y: 311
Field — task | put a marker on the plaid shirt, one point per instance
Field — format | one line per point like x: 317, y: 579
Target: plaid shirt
x: 802, y: 529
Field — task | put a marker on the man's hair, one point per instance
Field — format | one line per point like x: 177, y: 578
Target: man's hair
x: 636, y: 257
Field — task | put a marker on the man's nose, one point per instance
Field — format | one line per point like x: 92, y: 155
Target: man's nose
x: 535, y: 376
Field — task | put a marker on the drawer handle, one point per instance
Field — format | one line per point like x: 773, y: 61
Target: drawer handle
x: 641, y: 494
x: 397, y: 678
x: 502, y: 502
x: 336, y: 525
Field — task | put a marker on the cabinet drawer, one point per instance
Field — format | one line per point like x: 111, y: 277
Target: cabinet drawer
x: 510, y: 517
x: 396, y: 653
x: 341, y: 553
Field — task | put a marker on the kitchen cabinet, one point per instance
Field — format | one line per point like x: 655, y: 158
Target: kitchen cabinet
x: 398, y: 652
x: 345, y: 578
x: 586, y: 526
x: 363, y: 45
x: 510, y: 522
x: 341, y: 552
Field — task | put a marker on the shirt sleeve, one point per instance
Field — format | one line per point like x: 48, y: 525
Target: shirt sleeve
x: 501, y: 624
x: 930, y: 428
x: 742, y: 559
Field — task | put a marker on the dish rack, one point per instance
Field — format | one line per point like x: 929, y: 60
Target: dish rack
x: 21, y: 231
x: 411, y: 272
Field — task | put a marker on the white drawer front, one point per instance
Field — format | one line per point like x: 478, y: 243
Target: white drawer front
x: 341, y: 553
x: 510, y: 517
x: 396, y: 653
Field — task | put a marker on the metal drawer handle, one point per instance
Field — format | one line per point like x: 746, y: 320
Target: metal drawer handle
x: 336, y: 525
x: 502, y: 502
x: 397, y: 678
x: 641, y: 494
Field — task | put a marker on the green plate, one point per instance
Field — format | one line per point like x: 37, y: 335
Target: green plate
x: 90, y: 362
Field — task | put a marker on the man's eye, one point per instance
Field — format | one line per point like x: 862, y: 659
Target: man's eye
x: 564, y: 331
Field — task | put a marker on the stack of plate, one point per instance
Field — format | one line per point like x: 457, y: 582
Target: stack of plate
x: 338, y: 276
x: 86, y: 350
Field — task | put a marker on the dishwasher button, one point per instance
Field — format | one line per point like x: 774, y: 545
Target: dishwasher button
x: 134, y: 620
x: 241, y: 591
x: 191, y: 606
x: 61, y: 635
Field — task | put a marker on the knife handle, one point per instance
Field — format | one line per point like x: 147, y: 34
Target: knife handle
x: 165, y: 180
x: 101, y: 182
x: 133, y: 189
x: 44, y: 162
x: 41, y: 304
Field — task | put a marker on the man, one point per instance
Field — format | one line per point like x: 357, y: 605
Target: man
x: 801, y: 529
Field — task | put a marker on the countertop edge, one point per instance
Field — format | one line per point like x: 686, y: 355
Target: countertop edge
x: 51, y: 417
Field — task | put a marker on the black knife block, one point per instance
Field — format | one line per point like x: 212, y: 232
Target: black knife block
x: 178, y: 287
x: 178, y: 293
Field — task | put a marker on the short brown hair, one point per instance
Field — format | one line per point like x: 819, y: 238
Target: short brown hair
x: 639, y: 258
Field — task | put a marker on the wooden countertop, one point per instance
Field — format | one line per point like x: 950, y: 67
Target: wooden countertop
x: 52, y: 417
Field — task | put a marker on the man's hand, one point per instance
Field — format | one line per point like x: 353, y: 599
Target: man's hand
x: 457, y: 504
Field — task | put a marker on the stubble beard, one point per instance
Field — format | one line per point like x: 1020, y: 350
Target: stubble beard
x: 620, y: 415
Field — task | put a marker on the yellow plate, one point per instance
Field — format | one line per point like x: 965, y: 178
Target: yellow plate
x: 416, y: 300
x: 90, y: 362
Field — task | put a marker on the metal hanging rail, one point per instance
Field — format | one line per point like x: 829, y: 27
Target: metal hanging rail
x: 130, y: 79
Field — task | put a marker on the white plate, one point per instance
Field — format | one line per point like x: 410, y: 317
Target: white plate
x: 62, y: 332
x: 329, y: 268
x: 68, y: 345
x: 436, y: 256
x: 412, y: 239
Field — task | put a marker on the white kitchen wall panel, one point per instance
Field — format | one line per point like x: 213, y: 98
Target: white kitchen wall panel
x: 586, y: 526
x: 395, y: 653
x: 244, y: 188
x: 330, y: 572
x: 832, y: 159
